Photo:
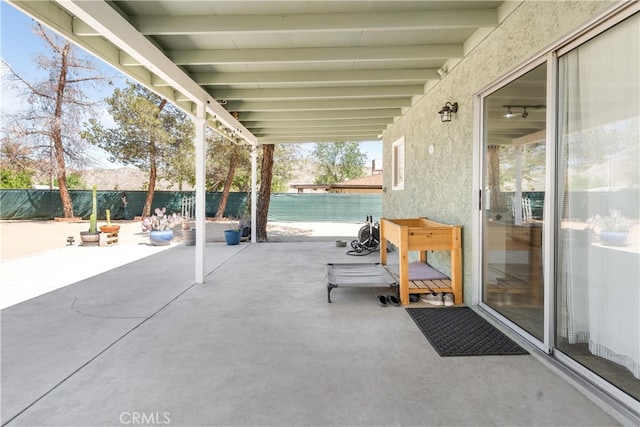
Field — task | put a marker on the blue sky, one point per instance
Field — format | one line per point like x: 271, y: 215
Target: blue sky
x: 19, y: 46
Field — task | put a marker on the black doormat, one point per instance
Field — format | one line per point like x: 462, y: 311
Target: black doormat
x: 459, y: 331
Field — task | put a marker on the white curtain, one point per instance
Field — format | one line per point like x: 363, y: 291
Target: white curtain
x: 598, y: 296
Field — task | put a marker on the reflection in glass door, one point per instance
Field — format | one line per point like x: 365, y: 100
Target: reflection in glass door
x: 514, y: 193
x: 598, y: 189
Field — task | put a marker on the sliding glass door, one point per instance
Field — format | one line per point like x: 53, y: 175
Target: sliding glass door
x: 561, y: 200
x: 598, y: 189
x: 514, y: 195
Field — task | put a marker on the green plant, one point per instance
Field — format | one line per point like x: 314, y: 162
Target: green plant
x: 161, y: 221
x: 15, y: 179
x: 108, y: 212
x: 612, y: 222
x: 75, y: 182
x: 93, y: 218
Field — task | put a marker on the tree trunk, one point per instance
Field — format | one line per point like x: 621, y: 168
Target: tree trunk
x: 227, y: 184
x: 153, y: 172
x: 264, y: 195
x: 56, y: 135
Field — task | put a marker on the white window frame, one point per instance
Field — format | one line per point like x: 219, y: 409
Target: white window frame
x: 397, y: 164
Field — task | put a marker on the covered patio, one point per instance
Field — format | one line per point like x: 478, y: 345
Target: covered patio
x: 249, y: 338
x: 255, y: 344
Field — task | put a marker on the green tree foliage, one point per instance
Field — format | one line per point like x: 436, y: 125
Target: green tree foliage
x: 75, y: 182
x: 16, y: 165
x: 338, y: 161
x: 220, y: 154
x: 150, y: 133
x: 285, y: 157
x: 15, y: 179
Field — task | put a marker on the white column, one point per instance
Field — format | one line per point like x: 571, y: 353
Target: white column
x: 254, y: 184
x: 200, y: 143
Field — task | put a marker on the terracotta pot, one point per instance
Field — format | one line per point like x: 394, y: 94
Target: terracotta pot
x: 109, y: 228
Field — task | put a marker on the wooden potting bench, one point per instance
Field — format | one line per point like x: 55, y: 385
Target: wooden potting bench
x: 420, y: 234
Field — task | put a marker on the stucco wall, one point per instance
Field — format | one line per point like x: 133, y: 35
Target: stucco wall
x: 439, y: 185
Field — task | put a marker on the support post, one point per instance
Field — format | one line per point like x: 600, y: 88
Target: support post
x: 254, y: 184
x: 200, y: 208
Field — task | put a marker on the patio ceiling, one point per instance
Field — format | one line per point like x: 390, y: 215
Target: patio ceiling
x: 294, y: 71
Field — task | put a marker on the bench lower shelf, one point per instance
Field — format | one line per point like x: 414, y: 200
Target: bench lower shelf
x: 428, y: 286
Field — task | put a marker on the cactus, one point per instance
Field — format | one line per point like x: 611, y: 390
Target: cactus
x: 108, y: 217
x: 93, y: 226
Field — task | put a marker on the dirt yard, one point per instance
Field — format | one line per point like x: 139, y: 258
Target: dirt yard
x: 22, y: 238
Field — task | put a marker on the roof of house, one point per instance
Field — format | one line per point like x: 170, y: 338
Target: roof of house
x: 369, y: 181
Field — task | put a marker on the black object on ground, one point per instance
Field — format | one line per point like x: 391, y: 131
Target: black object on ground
x: 459, y: 331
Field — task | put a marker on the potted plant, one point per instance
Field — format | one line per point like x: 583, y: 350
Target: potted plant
x: 92, y: 237
x: 160, y: 226
x: 232, y: 236
x: 188, y: 234
x: 613, y: 229
x: 109, y: 228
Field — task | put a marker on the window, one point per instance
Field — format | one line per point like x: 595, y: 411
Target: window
x: 397, y: 164
x: 598, y: 190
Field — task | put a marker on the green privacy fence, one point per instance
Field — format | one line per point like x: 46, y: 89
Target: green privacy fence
x: 324, y: 207
x: 46, y: 204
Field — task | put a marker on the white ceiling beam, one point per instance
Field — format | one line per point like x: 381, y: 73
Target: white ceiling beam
x: 321, y: 115
x: 312, y: 22
x: 317, y: 105
x: 322, y: 77
x: 327, y: 131
x: 301, y: 124
x: 316, y: 130
x: 338, y: 92
x: 324, y: 138
x: 315, y: 55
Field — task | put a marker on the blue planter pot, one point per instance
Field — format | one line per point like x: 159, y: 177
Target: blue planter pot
x: 160, y: 238
x: 613, y: 238
x: 232, y: 237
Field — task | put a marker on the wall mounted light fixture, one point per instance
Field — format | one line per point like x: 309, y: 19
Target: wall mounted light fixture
x: 445, y: 113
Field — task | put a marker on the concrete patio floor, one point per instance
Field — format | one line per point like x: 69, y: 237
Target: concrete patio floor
x: 257, y: 344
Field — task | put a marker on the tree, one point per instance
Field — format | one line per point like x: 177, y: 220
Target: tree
x: 150, y: 133
x: 236, y: 155
x: 264, y: 194
x: 16, y: 165
x: 285, y: 158
x: 338, y: 161
x: 57, y: 106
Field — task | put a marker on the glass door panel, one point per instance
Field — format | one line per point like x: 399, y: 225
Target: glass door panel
x: 598, y: 188
x: 514, y: 192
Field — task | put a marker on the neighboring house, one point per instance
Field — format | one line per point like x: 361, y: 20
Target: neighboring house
x: 369, y: 184
x: 310, y: 188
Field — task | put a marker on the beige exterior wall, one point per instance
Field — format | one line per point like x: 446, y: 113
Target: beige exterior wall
x: 439, y: 185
